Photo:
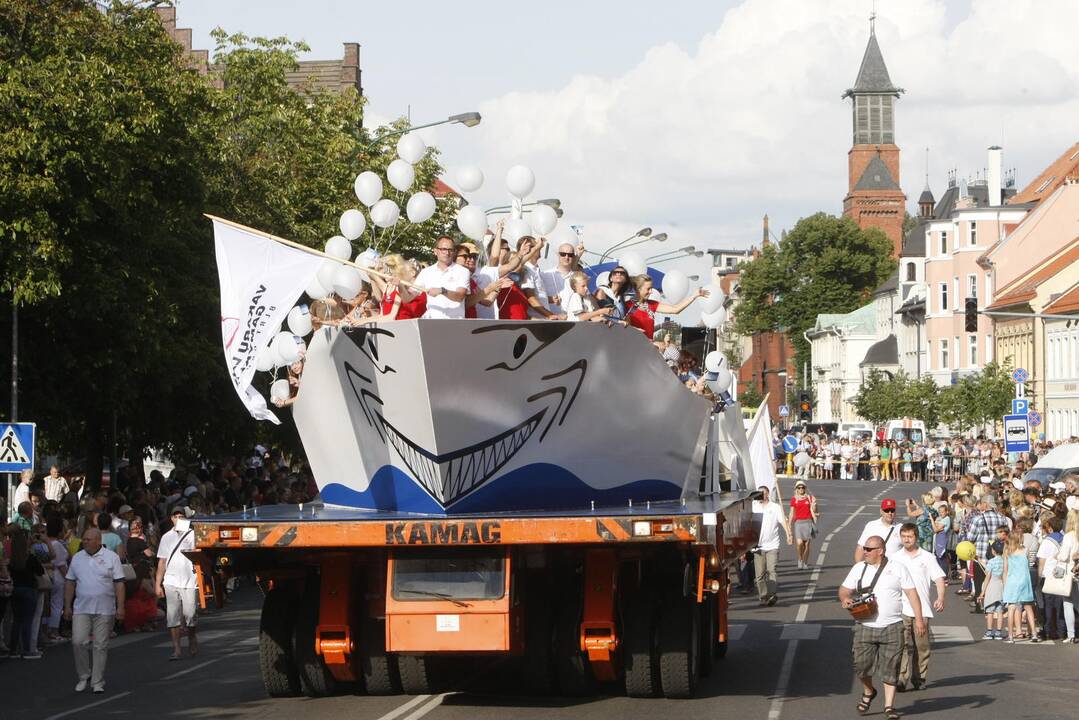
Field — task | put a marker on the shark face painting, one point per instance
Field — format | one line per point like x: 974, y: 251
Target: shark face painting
x: 466, y: 416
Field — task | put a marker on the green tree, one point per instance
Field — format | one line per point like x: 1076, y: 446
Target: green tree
x: 824, y: 264
x: 750, y: 397
x: 880, y: 398
x: 922, y: 399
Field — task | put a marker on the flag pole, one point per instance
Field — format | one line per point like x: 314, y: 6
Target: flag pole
x: 311, y: 250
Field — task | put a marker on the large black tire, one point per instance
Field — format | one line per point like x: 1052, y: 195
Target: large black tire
x: 276, y: 664
x: 537, y: 667
x: 678, y: 641
x: 315, y: 679
x: 707, y: 643
x: 572, y: 671
x: 639, y: 659
x: 377, y: 669
x: 416, y: 678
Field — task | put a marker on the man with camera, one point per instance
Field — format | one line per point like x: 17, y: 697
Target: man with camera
x: 873, y: 593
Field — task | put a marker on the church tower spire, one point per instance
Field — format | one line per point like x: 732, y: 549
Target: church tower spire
x: 874, y: 197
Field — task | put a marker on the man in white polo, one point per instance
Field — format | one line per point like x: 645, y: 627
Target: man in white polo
x: 884, y: 527
x: 924, y: 571
x: 445, y: 282
x: 177, y: 581
x: 93, y: 601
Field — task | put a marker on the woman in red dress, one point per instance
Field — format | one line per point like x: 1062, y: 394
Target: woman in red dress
x: 641, y: 313
x: 399, y: 303
x: 803, y: 519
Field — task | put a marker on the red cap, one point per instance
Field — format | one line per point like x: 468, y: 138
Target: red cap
x: 887, y: 504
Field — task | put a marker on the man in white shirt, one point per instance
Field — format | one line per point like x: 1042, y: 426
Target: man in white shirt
x: 22, y: 490
x: 556, y: 279
x: 878, y: 639
x: 177, y: 581
x: 924, y: 571
x: 445, y: 282
x: 767, y: 555
x: 55, y: 485
x: 93, y: 601
x: 885, y: 527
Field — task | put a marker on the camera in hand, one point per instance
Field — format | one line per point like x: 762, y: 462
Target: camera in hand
x: 864, y: 608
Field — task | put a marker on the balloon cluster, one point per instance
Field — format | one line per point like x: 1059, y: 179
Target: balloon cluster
x: 520, y: 180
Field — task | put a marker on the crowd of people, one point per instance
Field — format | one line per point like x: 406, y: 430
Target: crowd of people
x: 510, y: 285
x: 80, y: 565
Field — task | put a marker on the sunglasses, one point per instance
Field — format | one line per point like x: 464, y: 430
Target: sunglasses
x: 888, y: 510
x: 569, y: 254
x: 871, y: 549
x: 619, y: 272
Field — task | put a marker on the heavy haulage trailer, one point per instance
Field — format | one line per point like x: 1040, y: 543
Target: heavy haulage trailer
x: 545, y: 493
x: 373, y: 601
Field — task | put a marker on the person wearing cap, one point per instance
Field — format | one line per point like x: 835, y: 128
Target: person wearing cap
x: 121, y: 522
x: 177, y: 582
x: 803, y: 518
x: 883, y: 527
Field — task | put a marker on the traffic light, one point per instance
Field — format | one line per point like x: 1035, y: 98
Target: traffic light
x: 970, y: 315
x: 805, y: 406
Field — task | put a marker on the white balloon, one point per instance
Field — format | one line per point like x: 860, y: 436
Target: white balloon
x: 675, y: 285
x: 352, y: 223
x: 325, y: 275
x: 299, y: 320
x: 801, y: 459
x: 469, y: 178
x: 265, y: 359
x: 713, y: 302
x: 543, y: 219
x: 714, y: 319
x: 723, y: 379
x: 339, y: 247
x: 385, y: 213
x: 633, y: 263
x: 472, y: 221
x: 420, y: 207
x: 368, y: 188
x: 713, y: 361
x: 316, y: 290
x: 287, y: 348
x: 346, y: 282
x: 563, y: 235
x: 401, y: 175
x: 516, y: 228
x: 411, y: 148
x: 520, y: 180
x: 279, y: 390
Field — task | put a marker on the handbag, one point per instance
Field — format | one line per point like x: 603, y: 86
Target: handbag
x: 865, y: 606
x: 129, y: 571
x: 1058, y: 580
x: 44, y: 582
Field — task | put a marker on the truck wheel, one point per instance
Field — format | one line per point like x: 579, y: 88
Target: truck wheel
x: 707, y: 643
x: 639, y: 659
x: 415, y: 674
x: 679, y: 638
x: 378, y: 670
x: 571, y: 666
x: 315, y: 679
x: 537, y: 667
x: 276, y: 664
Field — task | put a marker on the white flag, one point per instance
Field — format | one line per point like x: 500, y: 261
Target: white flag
x: 261, y: 279
x: 760, y: 449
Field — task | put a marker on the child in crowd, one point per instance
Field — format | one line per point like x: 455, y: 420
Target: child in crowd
x: 579, y: 303
x: 1018, y: 595
x: 993, y: 593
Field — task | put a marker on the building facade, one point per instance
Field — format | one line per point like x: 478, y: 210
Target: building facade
x: 839, y: 342
x: 1061, y: 414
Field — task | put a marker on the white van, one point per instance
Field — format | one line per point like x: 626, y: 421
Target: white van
x: 905, y: 429
x: 854, y: 430
x: 1056, y: 462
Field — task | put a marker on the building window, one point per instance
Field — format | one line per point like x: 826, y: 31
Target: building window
x: 974, y: 233
x: 972, y: 343
x: 911, y: 272
x: 943, y: 242
x: 972, y: 286
x: 944, y: 354
x: 943, y: 297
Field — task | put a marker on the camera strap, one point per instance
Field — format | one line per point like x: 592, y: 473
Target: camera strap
x: 865, y: 566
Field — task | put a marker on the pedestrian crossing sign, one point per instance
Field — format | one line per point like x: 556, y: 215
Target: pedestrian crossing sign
x: 17, y: 446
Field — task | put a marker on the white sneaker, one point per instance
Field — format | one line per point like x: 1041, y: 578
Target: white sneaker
x: 98, y: 689
x: 83, y: 684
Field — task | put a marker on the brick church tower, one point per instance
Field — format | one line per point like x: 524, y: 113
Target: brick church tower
x: 874, y: 198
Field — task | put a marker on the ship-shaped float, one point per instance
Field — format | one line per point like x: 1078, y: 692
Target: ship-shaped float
x: 475, y: 416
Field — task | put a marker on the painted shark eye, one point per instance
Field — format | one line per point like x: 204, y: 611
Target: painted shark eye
x: 519, y: 346
x: 528, y: 339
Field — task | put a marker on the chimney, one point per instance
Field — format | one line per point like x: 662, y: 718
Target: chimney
x: 993, y: 176
x: 764, y: 238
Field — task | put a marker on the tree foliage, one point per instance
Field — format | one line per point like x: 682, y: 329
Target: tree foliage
x: 824, y: 264
x: 112, y: 146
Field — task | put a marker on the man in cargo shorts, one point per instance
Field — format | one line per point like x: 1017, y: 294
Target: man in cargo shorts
x: 177, y: 581
x: 878, y: 639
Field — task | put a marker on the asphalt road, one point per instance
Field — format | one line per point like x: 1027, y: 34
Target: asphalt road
x: 788, y: 661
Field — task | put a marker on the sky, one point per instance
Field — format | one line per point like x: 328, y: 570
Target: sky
x: 695, y: 118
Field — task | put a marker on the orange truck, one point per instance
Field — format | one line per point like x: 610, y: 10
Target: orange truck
x: 634, y: 597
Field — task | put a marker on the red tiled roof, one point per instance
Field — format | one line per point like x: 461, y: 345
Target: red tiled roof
x: 1062, y: 169
x: 1066, y: 304
x: 441, y: 189
x: 1025, y: 287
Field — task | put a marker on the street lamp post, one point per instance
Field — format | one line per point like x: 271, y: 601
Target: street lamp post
x: 553, y: 203
x: 642, y: 233
x: 468, y: 119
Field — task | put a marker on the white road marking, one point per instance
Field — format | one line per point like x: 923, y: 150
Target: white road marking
x: 800, y: 631
x: 426, y: 708
x: 402, y: 709
x: 79, y: 709
x: 203, y: 637
x: 950, y: 633
x: 786, y: 668
x: 201, y: 665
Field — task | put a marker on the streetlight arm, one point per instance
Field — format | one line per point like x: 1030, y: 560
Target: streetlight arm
x: 469, y: 119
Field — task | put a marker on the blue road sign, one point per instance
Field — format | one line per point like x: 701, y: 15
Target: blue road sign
x: 784, y: 411
x: 1020, y: 375
x: 1034, y: 418
x: 790, y: 444
x: 1016, y: 433
x: 17, y: 446
x: 1020, y: 406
